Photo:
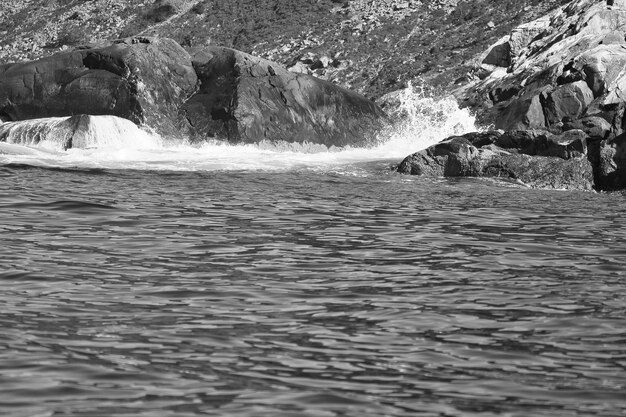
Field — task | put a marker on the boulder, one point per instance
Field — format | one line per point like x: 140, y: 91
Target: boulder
x: 144, y: 80
x: 523, y: 113
x: 246, y: 99
x: 567, y: 101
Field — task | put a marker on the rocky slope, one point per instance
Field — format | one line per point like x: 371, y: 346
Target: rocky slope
x: 371, y: 47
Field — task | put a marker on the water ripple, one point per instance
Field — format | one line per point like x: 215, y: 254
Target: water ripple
x: 309, y: 294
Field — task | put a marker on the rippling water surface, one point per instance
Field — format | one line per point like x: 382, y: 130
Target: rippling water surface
x: 307, y: 292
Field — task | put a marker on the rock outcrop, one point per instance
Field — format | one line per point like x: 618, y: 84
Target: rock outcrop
x: 535, y: 158
x: 564, y: 67
x: 220, y: 93
x: 574, y: 160
x: 556, y: 89
x: 247, y: 99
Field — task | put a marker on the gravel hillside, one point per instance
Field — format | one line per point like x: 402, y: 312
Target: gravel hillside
x: 373, y: 49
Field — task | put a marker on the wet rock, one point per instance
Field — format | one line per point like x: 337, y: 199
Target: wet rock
x: 62, y: 133
x: 144, y: 80
x: 611, y: 164
x: 246, y: 99
x: 535, y: 158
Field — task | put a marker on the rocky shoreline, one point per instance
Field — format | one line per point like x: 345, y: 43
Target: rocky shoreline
x: 555, y: 91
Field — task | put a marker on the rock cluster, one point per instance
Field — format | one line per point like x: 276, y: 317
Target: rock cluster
x: 572, y: 160
x: 562, y: 67
x: 218, y: 93
x: 555, y: 88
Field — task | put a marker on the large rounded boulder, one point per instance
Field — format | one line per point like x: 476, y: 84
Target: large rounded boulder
x: 145, y: 80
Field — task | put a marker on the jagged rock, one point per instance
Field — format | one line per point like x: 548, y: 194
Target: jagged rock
x: 526, y: 112
x: 565, y: 66
x: 601, y: 67
x: 522, y: 35
x: 246, y: 99
x: 499, y: 54
x: 144, y: 80
x: 568, y: 101
x: 536, y: 158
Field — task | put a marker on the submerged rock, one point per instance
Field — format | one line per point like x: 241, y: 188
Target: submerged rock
x: 247, y: 99
x: 62, y: 133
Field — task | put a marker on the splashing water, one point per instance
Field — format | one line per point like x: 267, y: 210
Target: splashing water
x: 418, y: 122
x: 421, y: 121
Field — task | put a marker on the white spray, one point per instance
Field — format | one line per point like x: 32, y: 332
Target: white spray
x: 418, y: 122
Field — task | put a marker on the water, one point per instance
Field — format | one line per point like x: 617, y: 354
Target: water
x: 256, y: 281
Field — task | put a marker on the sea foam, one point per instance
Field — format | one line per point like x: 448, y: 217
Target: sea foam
x: 418, y: 121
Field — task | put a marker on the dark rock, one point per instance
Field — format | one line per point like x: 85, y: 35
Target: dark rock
x: 569, y: 145
x: 611, y: 159
x: 544, y: 172
x: 153, y: 82
x: 519, y: 139
x: 160, y: 11
x: 503, y: 93
x: 453, y: 157
x: 144, y: 80
x: 567, y: 101
x: 480, y: 139
x: 594, y: 126
x: 422, y: 163
x: 536, y: 158
x: 247, y: 99
x: 523, y: 113
x: 499, y: 55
